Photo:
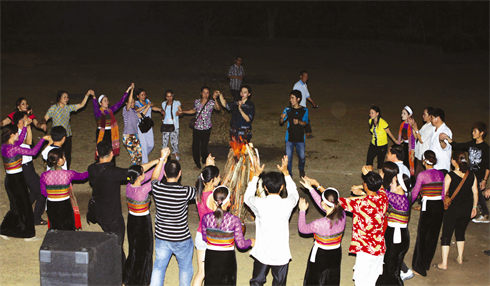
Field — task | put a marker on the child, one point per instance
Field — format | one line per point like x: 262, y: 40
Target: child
x: 271, y: 250
x: 221, y: 231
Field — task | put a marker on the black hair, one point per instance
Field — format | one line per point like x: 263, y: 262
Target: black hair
x: 206, y: 176
x: 205, y: 87
x: 390, y: 170
x: 19, y: 115
x: 302, y: 72
x: 134, y: 172
x: 373, y: 181
x: 249, y: 89
x: 480, y: 126
x: 104, y: 148
x: 338, y: 212
x: 460, y: 157
x: 406, y: 181
x: 236, y: 58
x: 273, y: 181
x: 376, y: 109
x: 297, y: 94
x: 60, y: 94
x: 7, y: 131
x: 398, y: 151
x: 18, y: 102
x: 54, y: 156
x: 219, y: 195
x: 172, y: 169
x: 430, y: 156
x: 437, y: 112
x: 169, y: 91
x: 57, y: 133
x: 137, y: 92
x: 429, y: 109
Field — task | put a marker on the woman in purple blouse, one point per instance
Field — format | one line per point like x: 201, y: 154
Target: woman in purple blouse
x: 326, y: 255
x: 203, y: 108
x: 19, y: 220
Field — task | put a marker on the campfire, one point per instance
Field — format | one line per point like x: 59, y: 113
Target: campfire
x: 237, y: 174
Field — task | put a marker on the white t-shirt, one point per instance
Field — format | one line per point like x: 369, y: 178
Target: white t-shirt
x: 443, y: 156
x: 168, y: 116
x: 301, y: 86
x: 426, y: 135
x: 45, y: 156
x: 25, y: 159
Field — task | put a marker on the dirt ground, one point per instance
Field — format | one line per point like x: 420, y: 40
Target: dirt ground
x: 345, y: 79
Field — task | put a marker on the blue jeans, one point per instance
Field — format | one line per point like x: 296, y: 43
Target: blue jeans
x: 300, y: 150
x: 182, y: 250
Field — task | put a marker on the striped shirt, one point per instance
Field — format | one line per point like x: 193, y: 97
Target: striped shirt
x: 235, y: 70
x: 171, y: 201
x: 61, y: 116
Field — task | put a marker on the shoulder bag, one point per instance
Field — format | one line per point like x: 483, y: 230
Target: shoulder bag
x: 168, y: 127
x: 145, y: 124
x: 192, y: 122
x: 447, y: 199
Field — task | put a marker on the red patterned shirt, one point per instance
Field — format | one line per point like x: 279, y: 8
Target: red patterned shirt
x: 368, y: 223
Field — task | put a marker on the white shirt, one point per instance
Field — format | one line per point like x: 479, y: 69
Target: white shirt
x: 272, y: 223
x: 169, y: 110
x: 403, y: 169
x: 301, y: 86
x: 45, y: 156
x: 25, y: 159
x: 443, y: 156
x: 425, y: 134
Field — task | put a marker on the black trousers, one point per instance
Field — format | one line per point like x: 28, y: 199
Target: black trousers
x: 61, y: 216
x: 116, y: 226
x: 376, y: 152
x: 427, y: 236
x: 34, y: 185
x: 393, y: 259
x: 67, y: 149
x: 19, y: 220
x: 139, y: 265
x: 456, y: 219
x: 482, y: 203
x: 200, y: 141
x: 236, y: 94
x: 260, y: 272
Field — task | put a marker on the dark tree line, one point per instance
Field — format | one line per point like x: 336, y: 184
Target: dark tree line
x: 450, y: 23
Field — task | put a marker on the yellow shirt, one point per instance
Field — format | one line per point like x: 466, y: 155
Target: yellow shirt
x: 380, y: 138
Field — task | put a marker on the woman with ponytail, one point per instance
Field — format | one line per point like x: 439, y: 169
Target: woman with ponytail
x: 56, y: 185
x: 139, y: 264
x: 206, y: 182
x: 323, y: 266
x: 221, y: 231
x: 430, y: 186
x: 462, y: 208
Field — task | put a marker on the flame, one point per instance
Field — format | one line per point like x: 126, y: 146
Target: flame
x: 238, y: 146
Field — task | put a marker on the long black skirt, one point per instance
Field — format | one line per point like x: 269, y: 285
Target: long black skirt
x: 394, y: 255
x: 220, y: 267
x: 19, y: 220
x: 139, y: 264
x: 60, y: 215
x: 427, y: 236
x: 326, y: 268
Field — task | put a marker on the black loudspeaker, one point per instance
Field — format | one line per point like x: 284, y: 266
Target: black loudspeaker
x: 80, y: 258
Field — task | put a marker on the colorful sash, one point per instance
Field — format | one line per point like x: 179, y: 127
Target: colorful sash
x: 411, y: 145
x: 114, y: 131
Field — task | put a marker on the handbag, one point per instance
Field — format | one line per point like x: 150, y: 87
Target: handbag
x: 192, y: 122
x: 448, y: 200
x: 168, y: 127
x: 145, y: 124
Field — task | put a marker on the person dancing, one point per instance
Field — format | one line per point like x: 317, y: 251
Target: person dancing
x: 107, y: 129
x: 379, y: 142
x: 430, y: 186
x: 19, y: 220
x: 407, y: 140
x: 459, y: 213
x: 130, y: 134
x: 323, y: 266
x: 242, y: 114
x: 222, y: 231
x: 56, y: 186
x: 139, y: 264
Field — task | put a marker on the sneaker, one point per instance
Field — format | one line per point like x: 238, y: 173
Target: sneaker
x: 481, y: 219
x: 302, y: 173
x: 406, y: 275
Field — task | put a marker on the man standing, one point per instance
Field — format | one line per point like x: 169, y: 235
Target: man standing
x: 236, y: 74
x: 478, y: 156
x: 172, y: 236
x: 439, y: 142
x: 301, y: 86
x: 297, y: 118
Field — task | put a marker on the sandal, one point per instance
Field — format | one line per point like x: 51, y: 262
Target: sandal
x: 416, y: 208
x: 437, y: 267
x: 42, y: 222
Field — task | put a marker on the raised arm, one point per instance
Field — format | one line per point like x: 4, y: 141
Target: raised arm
x: 118, y: 105
x: 84, y: 101
x: 130, y: 99
x: 290, y: 185
x: 216, y: 105
x: 222, y: 100
x: 97, y: 112
x: 163, y: 159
